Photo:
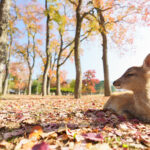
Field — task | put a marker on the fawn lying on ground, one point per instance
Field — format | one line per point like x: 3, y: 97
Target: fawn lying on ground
x: 135, y: 103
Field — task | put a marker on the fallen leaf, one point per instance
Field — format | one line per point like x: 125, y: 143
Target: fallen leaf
x: 93, y: 136
x: 41, y: 146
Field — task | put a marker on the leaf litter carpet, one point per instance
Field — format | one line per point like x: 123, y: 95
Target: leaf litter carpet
x: 65, y: 123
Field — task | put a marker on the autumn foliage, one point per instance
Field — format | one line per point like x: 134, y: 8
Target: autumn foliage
x: 69, y: 23
x: 19, y: 76
x: 42, y: 37
x: 89, y: 81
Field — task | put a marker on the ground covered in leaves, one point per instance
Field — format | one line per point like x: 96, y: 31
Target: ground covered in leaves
x: 64, y: 123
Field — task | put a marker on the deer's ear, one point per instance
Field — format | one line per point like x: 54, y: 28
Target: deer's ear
x: 146, y: 63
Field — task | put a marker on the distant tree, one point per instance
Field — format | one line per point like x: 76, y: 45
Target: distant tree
x: 66, y: 42
x: 4, y: 24
x: 51, y: 9
x: 80, y: 16
x: 31, y: 17
x: 36, y: 87
x: 89, y: 81
x: 72, y: 84
x: 59, y: 45
x: 47, y: 50
x: 100, y: 87
x: 66, y: 48
x: 113, y: 19
x: 13, y: 33
x: 19, y: 75
x: 53, y: 76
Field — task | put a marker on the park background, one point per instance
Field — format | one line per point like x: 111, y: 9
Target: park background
x: 127, y: 32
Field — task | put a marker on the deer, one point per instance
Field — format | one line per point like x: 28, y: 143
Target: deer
x: 134, y: 103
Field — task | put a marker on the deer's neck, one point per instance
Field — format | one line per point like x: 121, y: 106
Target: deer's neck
x: 142, y: 102
x: 142, y: 97
x: 144, y: 94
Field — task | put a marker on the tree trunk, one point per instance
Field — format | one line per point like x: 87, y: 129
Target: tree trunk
x: 1, y: 77
x: 103, y: 31
x: 48, y: 55
x: 107, y: 90
x: 58, y: 88
x: 4, y: 17
x: 78, y: 82
x: 7, y: 63
x: 48, y: 86
x: 5, y: 83
x: 44, y: 83
x: 19, y: 91
x: 29, y: 83
x: 37, y: 89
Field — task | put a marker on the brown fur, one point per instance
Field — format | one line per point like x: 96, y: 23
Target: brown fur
x: 137, y: 102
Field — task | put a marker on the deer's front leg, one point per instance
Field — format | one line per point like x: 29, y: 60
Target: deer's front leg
x: 120, y: 104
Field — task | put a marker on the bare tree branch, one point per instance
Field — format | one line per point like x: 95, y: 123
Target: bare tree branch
x: 72, y: 2
x: 86, y: 13
x: 84, y: 37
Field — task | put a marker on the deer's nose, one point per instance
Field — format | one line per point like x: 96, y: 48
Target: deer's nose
x: 116, y: 83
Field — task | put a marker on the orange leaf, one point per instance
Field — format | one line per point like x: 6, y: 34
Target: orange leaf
x: 36, y: 132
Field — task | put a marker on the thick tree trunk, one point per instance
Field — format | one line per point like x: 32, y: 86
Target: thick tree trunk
x: 107, y: 90
x: 48, y: 55
x: 4, y: 17
x: 58, y: 88
x: 29, y: 83
x: 48, y: 86
x: 78, y: 82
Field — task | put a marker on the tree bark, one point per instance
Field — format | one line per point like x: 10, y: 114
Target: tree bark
x: 5, y: 83
x: 48, y: 86
x: 48, y: 55
x: 1, y: 77
x: 30, y: 65
x: 29, y: 83
x: 4, y: 17
x: 78, y: 82
x: 107, y: 90
x: 58, y: 89
x: 7, y: 64
x: 44, y: 83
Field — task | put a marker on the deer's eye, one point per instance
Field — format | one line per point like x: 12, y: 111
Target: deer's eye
x: 130, y: 74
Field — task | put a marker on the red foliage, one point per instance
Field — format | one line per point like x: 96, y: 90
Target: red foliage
x: 89, y: 81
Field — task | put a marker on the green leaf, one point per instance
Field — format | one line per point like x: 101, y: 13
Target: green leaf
x: 125, y: 146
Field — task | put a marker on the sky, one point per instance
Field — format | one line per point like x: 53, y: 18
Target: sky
x: 118, y: 64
